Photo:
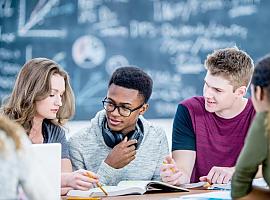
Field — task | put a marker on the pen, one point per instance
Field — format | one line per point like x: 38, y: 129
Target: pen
x: 98, y: 184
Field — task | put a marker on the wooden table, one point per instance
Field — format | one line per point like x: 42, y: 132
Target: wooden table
x: 154, y: 196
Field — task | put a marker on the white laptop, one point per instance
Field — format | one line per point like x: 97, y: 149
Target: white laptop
x: 49, y: 157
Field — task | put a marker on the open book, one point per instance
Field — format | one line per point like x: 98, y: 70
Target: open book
x: 128, y: 187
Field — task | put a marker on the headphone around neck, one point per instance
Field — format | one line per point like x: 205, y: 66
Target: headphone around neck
x: 112, y: 138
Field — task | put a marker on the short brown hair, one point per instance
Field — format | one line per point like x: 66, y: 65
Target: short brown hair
x: 33, y: 84
x: 231, y: 63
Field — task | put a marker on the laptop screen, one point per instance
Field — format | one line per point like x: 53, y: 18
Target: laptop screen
x: 49, y: 157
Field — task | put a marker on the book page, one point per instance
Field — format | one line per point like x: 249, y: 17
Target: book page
x: 152, y: 185
x: 141, y: 184
x: 260, y: 182
x: 111, y: 190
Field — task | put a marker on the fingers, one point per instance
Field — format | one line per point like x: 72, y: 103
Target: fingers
x: 165, y: 167
x: 131, y: 158
x: 91, y: 175
x: 125, y: 139
x: 170, y: 173
x: 210, y: 175
x: 130, y: 142
x: 175, y: 179
x: 64, y: 190
x: 171, y: 178
x: 218, y: 175
x: 131, y: 148
x: 83, y: 179
x: 227, y: 179
x: 88, y: 175
x: 82, y: 185
x: 127, y: 143
x: 169, y: 159
x: 203, y: 178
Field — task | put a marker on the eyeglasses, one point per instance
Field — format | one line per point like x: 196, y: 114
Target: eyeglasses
x: 122, y: 110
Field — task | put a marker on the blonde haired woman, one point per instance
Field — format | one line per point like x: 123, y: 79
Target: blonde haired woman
x: 42, y: 101
x: 17, y: 167
x: 256, y: 150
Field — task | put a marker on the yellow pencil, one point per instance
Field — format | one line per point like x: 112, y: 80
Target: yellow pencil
x: 172, y: 169
x: 98, y: 184
x: 207, y: 185
x: 83, y: 198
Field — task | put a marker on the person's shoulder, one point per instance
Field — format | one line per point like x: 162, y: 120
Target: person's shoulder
x: 250, y: 106
x: 193, y: 101
x: 88, y: 133
x: 194, y: 105
x: 53, y: 128
x: 248, y: 112
x: 82, y: 134
x: 152, y: 129
x: 260, y: 118
x: 257, y: 132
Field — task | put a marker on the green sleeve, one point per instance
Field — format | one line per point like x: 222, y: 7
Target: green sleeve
x: 251, y: 156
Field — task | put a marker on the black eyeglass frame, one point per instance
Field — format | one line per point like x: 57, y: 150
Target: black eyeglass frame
x: 105, y: 100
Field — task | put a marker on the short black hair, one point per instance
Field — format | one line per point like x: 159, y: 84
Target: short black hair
x: 261, y: 75
x: 133, y: 77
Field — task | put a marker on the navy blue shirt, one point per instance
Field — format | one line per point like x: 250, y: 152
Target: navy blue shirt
x: 183, y: 137
x: 55, y: 134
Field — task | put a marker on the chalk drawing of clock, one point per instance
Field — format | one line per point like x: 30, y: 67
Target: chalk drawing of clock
x: 88, y: 51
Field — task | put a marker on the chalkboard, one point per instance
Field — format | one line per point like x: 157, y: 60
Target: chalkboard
x: 90, y: 38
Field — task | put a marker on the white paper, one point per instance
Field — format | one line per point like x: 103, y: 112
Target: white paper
x: 220, y: 195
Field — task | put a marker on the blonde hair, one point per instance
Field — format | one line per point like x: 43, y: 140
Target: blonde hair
x: 33, y: 84
x: 231, y: 63
x: 12, y: 130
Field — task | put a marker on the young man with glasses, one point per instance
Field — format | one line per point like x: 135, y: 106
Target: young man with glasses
x: 119, y: 143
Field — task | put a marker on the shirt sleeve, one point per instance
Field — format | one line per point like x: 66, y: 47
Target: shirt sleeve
x: 76, y: 157
x: 183, y: 136
x: 109, y: 175
x: 164, y: 151
x: 64, y: 143
x: 55, y: 134
x: 252, y: 155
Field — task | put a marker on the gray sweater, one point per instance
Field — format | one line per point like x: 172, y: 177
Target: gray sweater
x: 88, y: 151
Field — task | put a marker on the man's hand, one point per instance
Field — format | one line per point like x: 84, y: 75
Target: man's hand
x: 122, y: 154
x: 219, y: 175
x: 171, y: 174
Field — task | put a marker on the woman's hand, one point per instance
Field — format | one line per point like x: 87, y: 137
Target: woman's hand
x: 79, y: 180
